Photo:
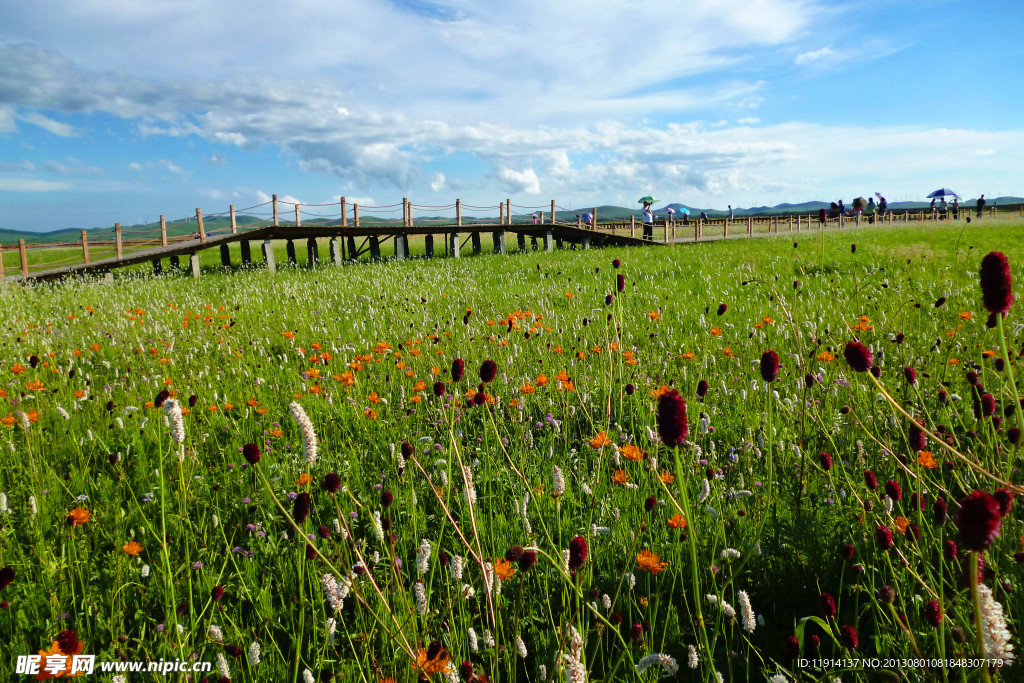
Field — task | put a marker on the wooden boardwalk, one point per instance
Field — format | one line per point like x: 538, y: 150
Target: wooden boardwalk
x: 346, y: 243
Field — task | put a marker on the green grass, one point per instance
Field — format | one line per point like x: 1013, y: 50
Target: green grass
x: 244, y: 336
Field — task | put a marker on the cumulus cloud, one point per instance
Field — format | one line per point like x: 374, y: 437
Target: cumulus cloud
x: 49, y: 125
x: 519, y: 181
x: 437, y: 182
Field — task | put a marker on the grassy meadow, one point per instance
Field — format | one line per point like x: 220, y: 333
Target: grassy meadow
x: 330, y: 503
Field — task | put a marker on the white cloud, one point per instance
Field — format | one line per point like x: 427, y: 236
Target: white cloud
x: 437, y: 182
x: 56, y: 127
x: 7, y: 123
x: 69, y: 166
x: 519, y: 181
x: 814, y: 56
x: 215, y: 159
x: 31, y: 185
x: 748, y: 121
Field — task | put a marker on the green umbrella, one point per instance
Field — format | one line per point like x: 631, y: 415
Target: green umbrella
x: 649, y: 199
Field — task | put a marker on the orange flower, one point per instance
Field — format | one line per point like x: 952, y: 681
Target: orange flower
x: 927, y: 460
x: 557, y: 349
x: 313, y: 373
x: 229, y: 406
x: 77, y: 517
x: 953, y: 361
x: 716, y: 331
x: 562, y: 376
x: 503, y: 569
x: 51, y: 662
x: 35, y: 385
x: 988, y: 353
x: 653, y: 315
x: 429, y: 667
x: 373, y: 398
x: 288, y: 334
x: 542, y: 379
x: 666, y: 477
x: 727, y: 352
x: 660, y: 391
x: 213, y: 409
x: 132, y: 548
x: 902, y: 523
x: 687, y: 355
x: 676, y: 522
x: 416, y: 399
x: 600, y: 440
x: 631, y: 452
x: 252, y: 403
x: 8, y: 421
x: 419, y: 386
x: 261, y: 411
x: 94, y: 347
x: 18, y: 369
x: 527, y: 388
x: 620, y: 477
x: 316, y: 389
x: 276, y: 432
x: 303, y: 479
x: 650, y: 561
x: 826, y: 357
x: 965, y: 315
x: 372, y: 414
x: 567, y: 386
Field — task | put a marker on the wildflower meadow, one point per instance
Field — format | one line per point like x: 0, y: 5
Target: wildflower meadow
x: 759, y: 460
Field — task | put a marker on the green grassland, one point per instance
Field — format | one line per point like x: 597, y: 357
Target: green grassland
x: 580, y: 366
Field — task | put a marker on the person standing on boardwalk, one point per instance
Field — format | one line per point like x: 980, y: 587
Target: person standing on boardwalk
x: 883, y: 207
x: 981, y: 205
x: 730, y: 212
x: 648, y: 222
x: 956, y: 207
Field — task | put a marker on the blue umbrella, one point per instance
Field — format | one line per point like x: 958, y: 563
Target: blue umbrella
x: 942, y: 192
x: 683, y: 209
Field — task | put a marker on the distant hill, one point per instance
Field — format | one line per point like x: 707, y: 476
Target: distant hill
x: 605, y: 212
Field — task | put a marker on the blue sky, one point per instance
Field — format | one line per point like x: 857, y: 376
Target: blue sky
x: 119, y: 111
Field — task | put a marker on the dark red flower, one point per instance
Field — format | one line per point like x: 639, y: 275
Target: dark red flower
x: 300, y: 510
x: 161, y: 398
x: 978, y: 520
x: 938, y: 302
x: 870, y: 480
x: 67, y: 642
x: 616, y: 263
x: 458, y: 369
x: 916, y: 437
x: 949, y: 550
x: 577, y: 552
x: 488, y: 370
x: 809, y: 380
x: 887, y: 594
x: 769, y: 365
x: 702, y: 388
x: 893, y: 490
x: 853, y: 248
x: 722, y: 308
x: 996, y: 282
x: 407, y: 449
x: 386, y: 498
x: 939, y: 511
x: 192, y: 401
x: 6, y: 577
x: 433, y: 650
x: 650, y: 503
x: 883, y: 536
x: 1005, y: 500
x: 608, y: 299
x: 672, y: 425
x: 846, y: 551
x: 323, y: 532
x: 217, y: 593
x: 514, y: 553
x: 933, y: 613
x: 858, y: 356
x: 1013, y: 435
x: 251, y: 453
x: 466, y: 671
x: 620, y: 282
x: 910, y: 374
x: 331, y: 482
x: 848, y: 637
x: 438, y: 388
x: 988, y: 405
x: 828, y: 605
x: 792, y: 647
x: 826, y: 460
x: 630, y: 389
x: 527, y: 561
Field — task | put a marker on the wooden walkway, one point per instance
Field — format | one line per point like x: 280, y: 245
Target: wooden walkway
x: 346, y: 243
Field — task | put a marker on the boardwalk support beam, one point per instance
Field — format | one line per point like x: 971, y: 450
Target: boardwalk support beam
x: 476, y: 242
x: 428, y: 241
x: 334, y: 246
x: 454, y: 245
x: 549, y: 244
x: 374, y: 248
x: 312, y: 251
x: 268, y: 256
x: 246, y: 252
x: 193, y: 262
x: 290, y: 249
x: 225, y: 256
x: 499, y: 241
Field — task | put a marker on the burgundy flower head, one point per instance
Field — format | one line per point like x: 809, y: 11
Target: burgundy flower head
x: 300, y: 510
x: 331, y: 482
x: 386, y: 499
x: 68, y: 643
x: 702, y: 388
x: 251, y: 453
x: 826, y: 461
x: 488, y: 370
x: 996, y: 282
x: 769, y: 365
x: 6, y: 577
x: 438, y: 388
x: 161, y: 398
x: 527, y: 561
x: 883, y: 536
x: 458, y: 369
x: 848, y: 637
x: 407, y: 449
x: 620, y: 282
x: 870, y: 480
x: 792, y: 647
x: 1005, y: 500
x: 514, y: 554
x: 722, y: 308
x: 933, y: 613
x: 672, y: 425
x: 858, y: 356
x: 910, y: 374
x: 577, y: 552
x: 828, y: 605
x: 978, y: 520
x: 893, y: 490
x: 217, y: 593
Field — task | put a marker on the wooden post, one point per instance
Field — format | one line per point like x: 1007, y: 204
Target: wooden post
x: 355, y: 214
x: 499, y: 241
x: 696, y: 230
x: 411, y: 222
x: 501, y: 213
x: 312, y: 252
x: 246, y: 250
x: 163, y: 232
x: 2, y: 261
x: 454, y: 245
x: 234, y: 225
x: 458, y: 212
x: 750, y: 226
x: 225, y: 256
x: 344, y: 214
x: 289, y: 248
x: 199, y: 222
x: 24, y: 258
x: 85, y: 246
x: 374, y: 248
x: 475, y: 241
x: 725, y: 222
x: 268, y: 256
x: 193, y: 261
x: 579, y: 223
x: 298, y: 217
x: 725, y: 233
x: 858, y: 219
x: 117, y: 240
x: 274, y: 200
x: 552, y: 212
x: 632, y: 226
x: 428, y: 245
x: 508, y: 210
x: 593, y: 224
x: 548, y: 242
x: 335, y: 247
